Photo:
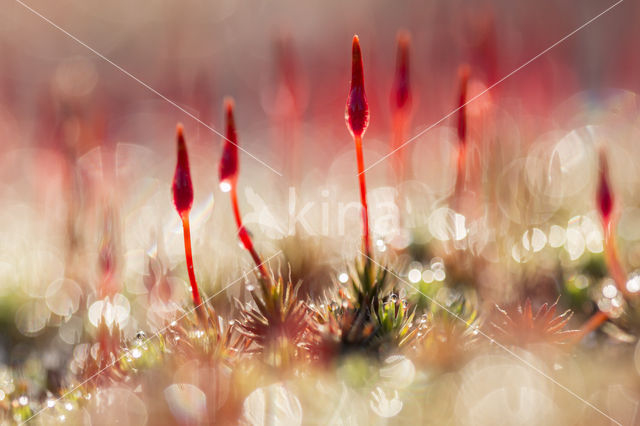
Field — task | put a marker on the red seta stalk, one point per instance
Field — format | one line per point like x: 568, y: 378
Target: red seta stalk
x: 592, y: 324
x: 357, y: 118
x: 229, y: 182
x: 183, y: 200
x: 463, y: 76
x: 401, y: 102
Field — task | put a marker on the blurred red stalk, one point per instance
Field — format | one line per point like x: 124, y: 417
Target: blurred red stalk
x: 463, y: 75
x: 401, y: 102
x: 605, y: 203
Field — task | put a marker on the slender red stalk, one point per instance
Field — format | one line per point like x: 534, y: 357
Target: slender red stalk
x: 463, y: 75
x: 401, y: 101
x: 592, y: 324
x: 357, y: 118
x: 187, y: 250
x: 228, y: 183
x: 363, y: 196
x: 183, y: 200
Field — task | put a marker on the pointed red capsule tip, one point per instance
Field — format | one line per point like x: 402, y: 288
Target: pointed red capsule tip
x: 182, y: 187
x: 463, y: 75
x: 229, y: 159
x: 401, y: 93
x: 357, y: 109
x: 604, y: 196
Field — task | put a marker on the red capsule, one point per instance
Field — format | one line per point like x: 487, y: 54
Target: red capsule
x: 401, y: 91
x: 357, y: 109
x: 463, y: 75
x: 604, y: 196
x: 182, y: 187
x: 229, y: 159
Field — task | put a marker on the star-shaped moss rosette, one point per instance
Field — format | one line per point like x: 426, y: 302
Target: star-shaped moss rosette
x: 521, y: 326
x: 395, y: 321
x: 278, y: 325
x: 364, y: 315
x: 101, y: 359
x: 446, y: 333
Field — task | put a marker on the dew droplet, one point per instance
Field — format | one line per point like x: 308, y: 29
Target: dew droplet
x: 609, y: 291
x: 414, y: 275
x: 633, y: 285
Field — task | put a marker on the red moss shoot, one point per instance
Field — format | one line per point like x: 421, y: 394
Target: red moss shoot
x: 605, y: 203
x: 401, y: 101
x: 463, y: 76
x: 357, y: 117
x: 229, y: 180
x: 183, y: 200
